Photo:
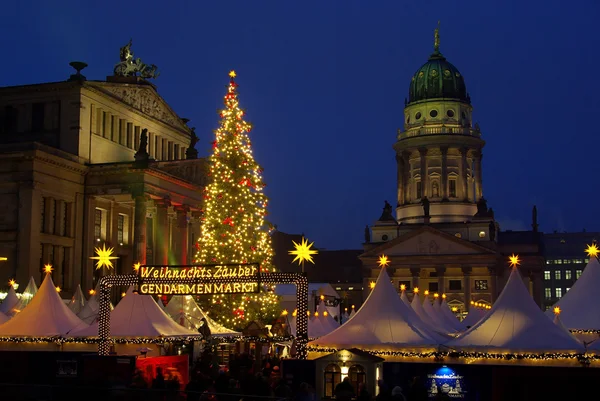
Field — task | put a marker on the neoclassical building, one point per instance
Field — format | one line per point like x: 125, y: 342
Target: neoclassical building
x: 87, y: 164
x: 441, y: 236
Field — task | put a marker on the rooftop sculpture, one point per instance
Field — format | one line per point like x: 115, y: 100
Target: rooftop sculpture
x: 130, y: 67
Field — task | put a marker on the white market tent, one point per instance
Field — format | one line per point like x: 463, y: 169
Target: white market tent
x: 77, y: 303
x: 475, y: 314
x: 576, y: 311
x: 328, y: 321
x: 185, y: 311
x: 46, y: 315
x: 404, y: 298
x: 417, y: 307
x: 26, y: 296
x: 516, y: 323
x: 89, y: 312
x: 436, y: 320
x: 10, y: 302
x: 449, y: 316
x: 4, y: 318
x: 383, y: 319
x: 138, y: 316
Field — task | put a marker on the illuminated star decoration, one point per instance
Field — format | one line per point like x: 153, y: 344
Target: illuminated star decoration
x: 48, y: 268
x: 383, y: 261
x: 12, y: 283
x: 556, y: 310
x: 592, y: 250
x: 232, y: 74
x: 402, y: 287
x: 303, y: 252
x: 136, y: 267
x: 514, y: 260
x: 104, y: 257
x: 372, y: 284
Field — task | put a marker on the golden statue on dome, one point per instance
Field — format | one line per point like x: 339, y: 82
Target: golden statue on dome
x: 436, y: 38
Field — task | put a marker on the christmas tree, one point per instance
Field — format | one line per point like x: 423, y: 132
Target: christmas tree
x: 233, y: 226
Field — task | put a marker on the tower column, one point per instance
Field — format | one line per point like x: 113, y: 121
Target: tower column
x: 415, y: 272
x: 182, y: 223
x: 441, y: 276
x: 463, y: 173
x: 478, y: 176
x: 400, y: 178
x: 424, y: 175
x: 466, y: 271
x: 162, y: 231
x: 444, y: 183
x: 406, y: 181
x: 139, y: 226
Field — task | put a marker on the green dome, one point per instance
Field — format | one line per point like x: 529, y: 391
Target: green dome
x: 437, y: 79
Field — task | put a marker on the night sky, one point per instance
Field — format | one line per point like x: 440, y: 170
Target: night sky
x: 324, y: 85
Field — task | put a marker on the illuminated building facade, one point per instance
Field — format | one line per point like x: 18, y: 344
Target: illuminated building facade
x: 93, y: 163
x: 440, y: 234
x: 565, y: 261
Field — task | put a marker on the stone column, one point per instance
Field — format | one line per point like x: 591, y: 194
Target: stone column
x: 537, y: 287
x: 59, y: 217
x: 424, y: 175
x: 88, y: 242
x: 415, y: 273
x: 49, y: 215
x: 406, y: 181
x: 466, y: 271
x: 478, y: 177
x: 162, y: 231
x: 444, y: 182
x: 139, y: 229
x: 182, y: 224
x: 59, y: 273
x: 27, y: 261
x: 68, y: 271
x: 463, y: 173
x: 400, y: 178
x: 493, y: 282
x: 441, y: 276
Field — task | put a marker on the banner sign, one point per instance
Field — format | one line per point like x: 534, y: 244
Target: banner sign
x: 199, y: 280
x: 447, y: 382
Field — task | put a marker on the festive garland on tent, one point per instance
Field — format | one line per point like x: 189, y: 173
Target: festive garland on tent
x: 140, y: 340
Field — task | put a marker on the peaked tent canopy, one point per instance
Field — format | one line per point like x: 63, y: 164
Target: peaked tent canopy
x: 138, y: 316
x: 383, y: 319
x: 449, y: 316
x: 436, y: 320
x: 516, y: 323
x: 89, y: 312
x: 328, y: 320
x: 417, y: 306
x: 10, y: 302
x: 185, y: 311
x: 78, y: 301
x: 575, y: 304
x: 3, y: 318
x: 475, y: 314
x: 45, y: 315
x: 404, y: 298
x: 27, y: 295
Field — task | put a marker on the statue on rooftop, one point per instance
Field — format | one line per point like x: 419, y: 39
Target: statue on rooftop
x: 425, y: 203
x: 131, y: 67
x: 142, y: 153
x: 191, y: 152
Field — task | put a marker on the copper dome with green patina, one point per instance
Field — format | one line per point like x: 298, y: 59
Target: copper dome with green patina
x: 437, y: 79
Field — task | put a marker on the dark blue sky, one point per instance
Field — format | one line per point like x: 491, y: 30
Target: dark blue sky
x: 324, y: 85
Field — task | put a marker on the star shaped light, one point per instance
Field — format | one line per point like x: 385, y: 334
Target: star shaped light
x: 556, y: 310
x: 303, y: 252
x: 514, y: 260
x: 426, y: 292
x: 372, y: 285
x: 402, y: 287
x: 592, y: 250
x: 383, y: 261
x: 104, y: 257
x: 232, y: 74
x: 48, y: 268
x: 136, y: 267
x: 416, y: 290
x: 443, y: 296
x: 12, y: 283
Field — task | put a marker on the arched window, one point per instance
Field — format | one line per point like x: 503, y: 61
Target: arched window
x: 435, y: 189
x: 357, y: 377
x: 333, y: 377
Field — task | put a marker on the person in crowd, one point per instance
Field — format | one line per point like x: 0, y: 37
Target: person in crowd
x: 363, y: 393
x: 385, y: 394
x: 282, y: 390
x: 344, y: 390
x: 417, y: 390
x: 397, y: 394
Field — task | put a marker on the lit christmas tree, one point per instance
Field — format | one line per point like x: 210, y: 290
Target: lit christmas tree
x: 233, y: 226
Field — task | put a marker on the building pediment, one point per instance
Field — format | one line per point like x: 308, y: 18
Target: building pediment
x: 427, y: 241
x: 143, y: 98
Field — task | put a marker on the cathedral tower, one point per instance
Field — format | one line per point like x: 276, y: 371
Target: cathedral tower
x: 439, y: 151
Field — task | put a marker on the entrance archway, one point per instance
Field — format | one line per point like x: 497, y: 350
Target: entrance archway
x: 298, y: 279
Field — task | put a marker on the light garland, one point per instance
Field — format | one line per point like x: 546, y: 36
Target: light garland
x: 233, y: 226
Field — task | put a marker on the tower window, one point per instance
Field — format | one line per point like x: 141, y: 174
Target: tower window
x: 418, y: 115
x: 452, y: 189
x: 407, y: 119
x: 435, y: 190
x: 419, y: 190
x: 450, y: 113
x: 433, y: 113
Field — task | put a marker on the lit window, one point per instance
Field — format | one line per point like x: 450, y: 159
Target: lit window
x: 568, y: 274
x: 548, y: 293
x: 419, y: 190
x: 558, y: 292
x: 566, y: 261
x: 452, y: 188
x: 549, y: 262
x: 577, y: 273
x: 558, y: 261
x: 481, y: 285
x: 350, y: 288
x: 586, y: 260
x: 557, y: 274
x: 97, y: 224
x: 120, y: 227
x: 567, y: 289
x: 547, y: 275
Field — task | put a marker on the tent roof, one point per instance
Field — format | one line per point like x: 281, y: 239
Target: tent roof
x: 46, y: 315
x: 383, y: 319
x: 516, y: 323
x: 576, y: 312
x: 27, y: 295
x: 78, y: 301
x: 9, y: 303
x: 138, y: 316
x: 404, y: 298
x: 183, y: 308
x: 475, y: 314
x: 3, y: 318
x: 439, y: 323
x: 89, y: 312
x: 449, y: 316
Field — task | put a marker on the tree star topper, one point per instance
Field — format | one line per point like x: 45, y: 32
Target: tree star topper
x: 303, y: 252
x: 514, y: 260
x: 592, y: 250
x: 104, y: 257
x: 383, y: 261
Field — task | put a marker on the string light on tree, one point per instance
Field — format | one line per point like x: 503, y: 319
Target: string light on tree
x: 233, y: 226
x: 303, y: 252
x: 104, y: 257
